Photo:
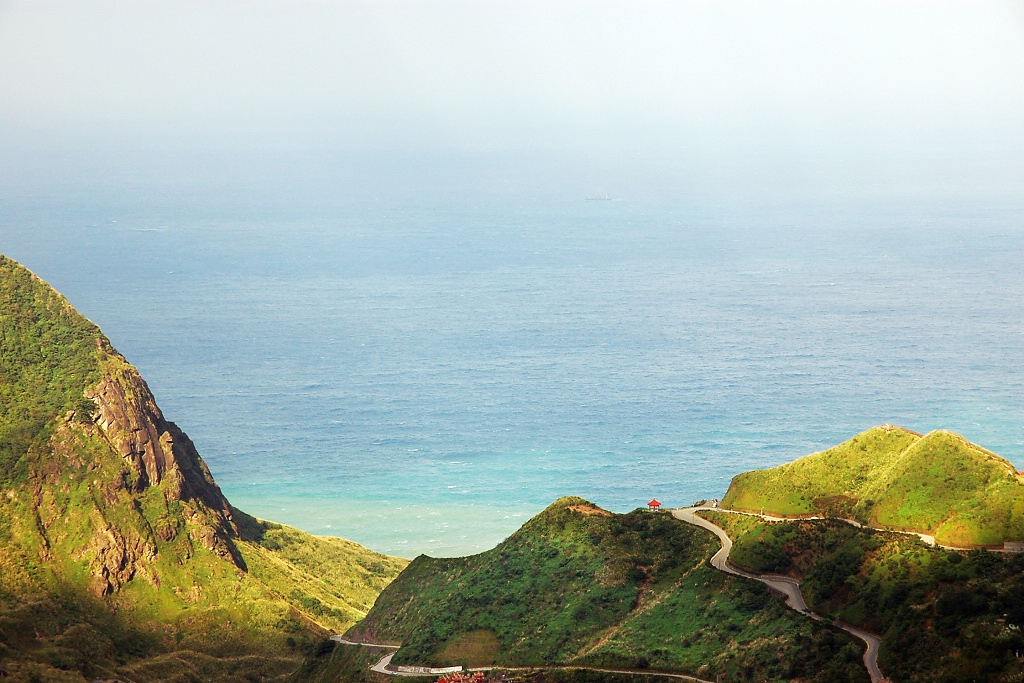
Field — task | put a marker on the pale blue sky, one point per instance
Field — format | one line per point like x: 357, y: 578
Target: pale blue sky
x: 305, y: 100
x: 480, y: 75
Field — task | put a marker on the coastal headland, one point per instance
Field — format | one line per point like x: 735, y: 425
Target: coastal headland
x: 122, y: 559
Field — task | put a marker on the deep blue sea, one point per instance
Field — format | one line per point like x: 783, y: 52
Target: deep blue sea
x: 421, y: 371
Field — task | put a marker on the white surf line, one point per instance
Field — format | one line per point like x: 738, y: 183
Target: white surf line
x: 787, y: 586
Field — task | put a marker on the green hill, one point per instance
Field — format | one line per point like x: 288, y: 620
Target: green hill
x: 578, y: 585
x: 943, y: 615
x: 119, y: 555
x: 938, y: 484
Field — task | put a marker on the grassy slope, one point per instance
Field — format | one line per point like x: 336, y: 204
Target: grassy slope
x: 205, y: 616
x: 576, y: 585
x: 943, y: 615
x: 48, y: 356
x: 938, y: 484
x: 332, y: 581
x: 69, y: 507
x: 331, y: 663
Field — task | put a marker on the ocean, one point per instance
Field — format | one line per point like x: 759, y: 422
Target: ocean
x: 421, y: 370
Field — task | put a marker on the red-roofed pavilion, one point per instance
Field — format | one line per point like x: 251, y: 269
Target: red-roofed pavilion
x: 654, y: 504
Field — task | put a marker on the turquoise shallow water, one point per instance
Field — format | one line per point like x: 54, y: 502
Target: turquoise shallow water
x: 422, y: 373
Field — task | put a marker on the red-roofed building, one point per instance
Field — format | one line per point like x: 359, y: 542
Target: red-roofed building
x: 654, y: 504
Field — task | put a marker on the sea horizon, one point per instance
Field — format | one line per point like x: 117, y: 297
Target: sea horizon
x: 422, y: 371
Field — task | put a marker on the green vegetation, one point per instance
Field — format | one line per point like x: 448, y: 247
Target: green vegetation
x: 205, y: 616
x: 331, y: 663
x: 48, y: 356
x: 119, y: 556
x: 578, y: 585
x: 887, y: 477
x: 943, y: 615
x: 334, y: 582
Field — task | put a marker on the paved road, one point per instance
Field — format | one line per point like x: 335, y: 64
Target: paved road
x: 787, y: 586
x: 341, y: 639
x: 381, y: 667
x: 930, y: 540
x: 784, y: 584
x: 644, y: 672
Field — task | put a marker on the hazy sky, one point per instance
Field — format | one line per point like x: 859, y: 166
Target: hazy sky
x: 475, y: 72
x: 898, y: 95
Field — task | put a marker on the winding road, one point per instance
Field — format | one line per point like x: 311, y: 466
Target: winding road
x: 783, y: 584
x: 381, y: 666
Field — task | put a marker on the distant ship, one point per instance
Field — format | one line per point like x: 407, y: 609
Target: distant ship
x: 605, y: 198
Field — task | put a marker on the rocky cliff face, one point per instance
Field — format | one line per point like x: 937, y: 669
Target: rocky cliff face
x: 117, y: 548
x: 159, y: 454
x: 94, y: 477
x: 121, y: 487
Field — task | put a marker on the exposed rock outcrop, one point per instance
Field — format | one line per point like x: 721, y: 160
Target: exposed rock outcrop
x: 155, y: 454
x: 117, y: 558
